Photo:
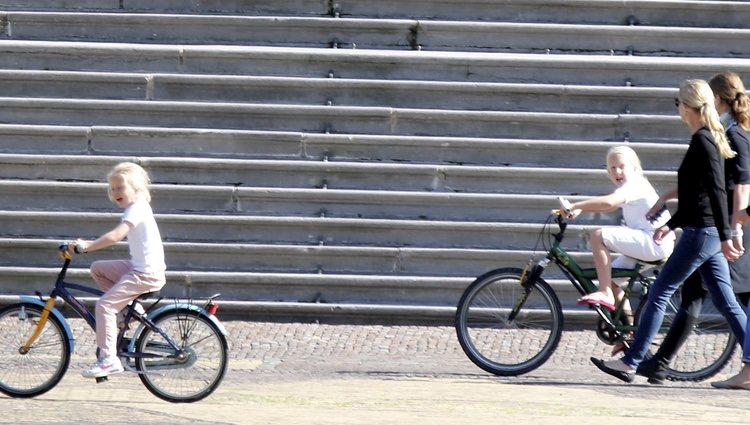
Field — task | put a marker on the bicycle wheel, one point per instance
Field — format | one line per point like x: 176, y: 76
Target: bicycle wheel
x: 494, y: 342
x: 706, y: 351
x: 31, y: 373
x: 190, y: 374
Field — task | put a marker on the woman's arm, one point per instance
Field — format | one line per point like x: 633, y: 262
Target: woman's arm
x: 661, y: 202
x: 740, y: 202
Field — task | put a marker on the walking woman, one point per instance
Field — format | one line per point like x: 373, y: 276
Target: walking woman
x: 702, y: 213
x: 733, y: 106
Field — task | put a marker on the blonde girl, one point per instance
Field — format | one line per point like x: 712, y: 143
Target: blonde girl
x: 635, y: 195
x: 124, y: 280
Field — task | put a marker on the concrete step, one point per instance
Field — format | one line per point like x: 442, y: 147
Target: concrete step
x: 303, y: 231
x: 363, y: 64
x: 730, y: 14
x: 376, y: 33
x: 332, y: 175
x: 338, y: 91
x: 20, y: 195
x: 615, y: 12
x: 240, y: 7
x: 247, y: 257
x: 341, y: 119
x: 237, y: 144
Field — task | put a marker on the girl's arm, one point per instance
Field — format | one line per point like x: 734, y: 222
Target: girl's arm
x: 604, y: 203
x: 106, y: 240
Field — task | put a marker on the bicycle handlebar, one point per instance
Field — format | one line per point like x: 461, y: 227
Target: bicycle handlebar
x: 64, y: 251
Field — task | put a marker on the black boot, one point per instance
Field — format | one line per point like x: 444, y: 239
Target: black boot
x: 655, y: 368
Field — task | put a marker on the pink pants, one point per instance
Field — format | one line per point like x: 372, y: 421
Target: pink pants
x: 121, y: 284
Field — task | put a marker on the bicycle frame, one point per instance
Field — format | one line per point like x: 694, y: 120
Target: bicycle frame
x: 583, y: 278
x: 62, y: 289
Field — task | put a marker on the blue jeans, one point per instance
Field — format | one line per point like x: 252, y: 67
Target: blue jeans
x: 698, y: 248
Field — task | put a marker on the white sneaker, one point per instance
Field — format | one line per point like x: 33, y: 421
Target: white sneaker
x: 104, y: 367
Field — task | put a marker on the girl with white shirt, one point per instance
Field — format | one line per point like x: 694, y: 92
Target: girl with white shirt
x: 124, y: 280
x: 635, y: 195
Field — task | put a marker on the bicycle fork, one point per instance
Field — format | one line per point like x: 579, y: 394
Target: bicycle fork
x: 39, y: 326
x: 530, y: 274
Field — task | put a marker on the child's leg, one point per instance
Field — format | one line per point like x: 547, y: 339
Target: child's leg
x: 108, y: 272
x: 128, y: 288
x: 602, y: 263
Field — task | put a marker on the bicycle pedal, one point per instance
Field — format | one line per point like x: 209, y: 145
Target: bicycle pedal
x: 101, y: 379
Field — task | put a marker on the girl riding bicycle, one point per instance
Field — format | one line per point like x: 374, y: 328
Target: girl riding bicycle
x: 124, y: 280
x: 635, y: 195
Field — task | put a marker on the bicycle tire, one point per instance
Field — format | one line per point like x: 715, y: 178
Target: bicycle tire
x: 499, y: 346
x: 707, y: 350
x: 40, y: 369
x: 188, y: 378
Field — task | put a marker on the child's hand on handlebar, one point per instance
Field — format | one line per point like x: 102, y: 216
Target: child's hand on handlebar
x: 77, y: 246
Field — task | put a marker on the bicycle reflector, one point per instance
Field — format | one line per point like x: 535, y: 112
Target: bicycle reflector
x: 211, y: 308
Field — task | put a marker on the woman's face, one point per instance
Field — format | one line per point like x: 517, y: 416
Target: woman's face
x: 619, y: 170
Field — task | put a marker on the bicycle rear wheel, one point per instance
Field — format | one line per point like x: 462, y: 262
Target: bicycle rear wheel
x: 36, y: 371
x: 502, y: 345
x: 190, y: 374
x: 707, y: 350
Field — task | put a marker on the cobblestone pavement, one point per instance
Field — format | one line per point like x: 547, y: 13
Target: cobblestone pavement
x: 296, y: 373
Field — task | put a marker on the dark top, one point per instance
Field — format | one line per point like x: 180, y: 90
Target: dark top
x: 737, y: 169
x: 701, y: 195
x: 738, y: 172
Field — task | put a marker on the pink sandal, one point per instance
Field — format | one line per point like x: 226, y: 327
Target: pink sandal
x: 597, y: 298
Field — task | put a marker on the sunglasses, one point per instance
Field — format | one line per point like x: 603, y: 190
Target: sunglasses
x: 677, y: 102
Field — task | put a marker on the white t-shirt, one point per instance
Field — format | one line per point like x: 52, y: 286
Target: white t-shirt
x: 144, y: 239
x: 639, y: 197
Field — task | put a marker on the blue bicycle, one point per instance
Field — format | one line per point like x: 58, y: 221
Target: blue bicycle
x: 178, y: 349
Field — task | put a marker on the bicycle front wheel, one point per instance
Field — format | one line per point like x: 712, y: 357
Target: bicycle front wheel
x: 190, y: 373
x: 29, y: 373
x: 499, y: 342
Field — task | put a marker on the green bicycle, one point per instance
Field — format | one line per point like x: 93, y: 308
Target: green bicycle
x: 509, y: 321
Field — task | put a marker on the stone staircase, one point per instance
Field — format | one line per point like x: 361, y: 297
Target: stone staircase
x: 349, y: 160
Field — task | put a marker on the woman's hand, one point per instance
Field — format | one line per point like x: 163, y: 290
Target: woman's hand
x: 730, y: 252
x: 660, y: 233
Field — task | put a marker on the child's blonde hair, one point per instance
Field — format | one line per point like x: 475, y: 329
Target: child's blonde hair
x: 697, y: 94
x: 628, y: 154
x: 135, y: 176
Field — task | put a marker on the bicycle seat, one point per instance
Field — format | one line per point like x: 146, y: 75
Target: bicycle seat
x: 147, y: 295
x: 653, y: 263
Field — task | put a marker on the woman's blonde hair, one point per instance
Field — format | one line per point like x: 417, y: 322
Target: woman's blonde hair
x: 628, y: 154
x: 135, y: 176
x: 697, y: 95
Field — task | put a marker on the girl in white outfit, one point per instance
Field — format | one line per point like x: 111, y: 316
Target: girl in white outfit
x: 635, y: 195
x: 124, y: 280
